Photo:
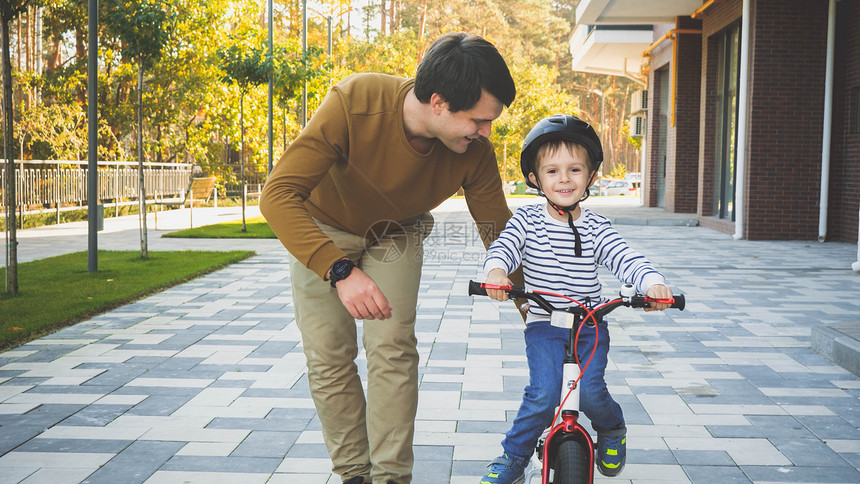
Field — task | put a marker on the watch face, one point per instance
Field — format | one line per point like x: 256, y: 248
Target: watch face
x: 341, y: 269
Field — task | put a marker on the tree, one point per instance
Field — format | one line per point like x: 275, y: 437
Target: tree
x: 503, y: 129
x: 9, y: 10
x: 190, y: 114
x: 291, y: 70
x: 396, y: 54
x: 247, y: 67
x: 144, y: 28
x: 180, y: 89
x: 180, y: 85
x: 537, y: 98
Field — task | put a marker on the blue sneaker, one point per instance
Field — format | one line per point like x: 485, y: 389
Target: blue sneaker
x: 611, y: 451
x: 505, y: 470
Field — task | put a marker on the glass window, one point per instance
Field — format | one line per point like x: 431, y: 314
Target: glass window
x: 855, y: 110
x: 726, y: 104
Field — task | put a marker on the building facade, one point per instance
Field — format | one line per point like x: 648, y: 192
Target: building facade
x: 753, y: 117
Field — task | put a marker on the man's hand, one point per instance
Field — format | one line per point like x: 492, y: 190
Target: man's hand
x: 658, y: 291
x: 361, y: 297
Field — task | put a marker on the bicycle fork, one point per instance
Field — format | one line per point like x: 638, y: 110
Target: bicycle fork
x: 566, y: 425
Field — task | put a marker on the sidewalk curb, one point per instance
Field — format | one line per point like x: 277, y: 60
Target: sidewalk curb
x: 654, y: 222
x: 837, y: 347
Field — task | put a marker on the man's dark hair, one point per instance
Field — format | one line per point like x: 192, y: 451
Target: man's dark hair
x: 458, y: 66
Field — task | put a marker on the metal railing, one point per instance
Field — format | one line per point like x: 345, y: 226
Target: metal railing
x: 252, y: 190
x: 61, y: 185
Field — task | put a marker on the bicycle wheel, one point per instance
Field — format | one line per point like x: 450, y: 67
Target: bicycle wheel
x: 571, y: 463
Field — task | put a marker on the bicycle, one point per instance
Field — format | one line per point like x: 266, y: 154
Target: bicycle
x: 565, y: 450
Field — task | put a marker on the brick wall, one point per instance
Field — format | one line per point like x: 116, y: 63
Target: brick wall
x: 786, y: 102
x: 682, y: 169
x: 845, y: 149
x: 786, y: 92
x: 661, y: 58
x: 682, y: 139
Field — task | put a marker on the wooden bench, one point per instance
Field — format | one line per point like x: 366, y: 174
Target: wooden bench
x: 199, y: 191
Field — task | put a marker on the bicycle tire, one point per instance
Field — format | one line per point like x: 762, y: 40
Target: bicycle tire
x: 571, y: 463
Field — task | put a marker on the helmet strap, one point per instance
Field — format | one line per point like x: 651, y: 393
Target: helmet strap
x: 569, y: 211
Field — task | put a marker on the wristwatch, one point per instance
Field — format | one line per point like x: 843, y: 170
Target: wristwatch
x: 340, y: 270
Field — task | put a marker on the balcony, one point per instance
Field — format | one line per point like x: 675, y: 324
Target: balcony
x: 610, y: 35
x: 610, y: 49
x: 633, y: 12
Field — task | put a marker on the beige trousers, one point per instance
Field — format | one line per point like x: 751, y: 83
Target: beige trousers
x: 372, y: 436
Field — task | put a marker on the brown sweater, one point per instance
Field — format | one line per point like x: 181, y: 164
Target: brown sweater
x: 352, y: 167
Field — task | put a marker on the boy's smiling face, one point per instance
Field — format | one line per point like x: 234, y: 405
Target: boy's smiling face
x: 563, y: 174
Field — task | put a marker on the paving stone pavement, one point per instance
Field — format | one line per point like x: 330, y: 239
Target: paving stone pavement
x: 206, y: 382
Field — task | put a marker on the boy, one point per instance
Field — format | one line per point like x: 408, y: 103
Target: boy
x: 559, y: 245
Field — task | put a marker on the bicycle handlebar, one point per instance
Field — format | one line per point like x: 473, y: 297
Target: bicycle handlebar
x: 628, y: 297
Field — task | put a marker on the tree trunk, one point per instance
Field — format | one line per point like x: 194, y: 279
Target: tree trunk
x: 81, y: 54
x: 8, y: 142
x: 54, y: 55
x: 18, y: 44
x: 294, y: 11
x: 31, y: 54
x: 382, y: 21
x: 28, y: 38
x: 242, y: 155
x: 159, y: 156
x: 421, y: 24
x: 37, y: 49
x: 18, y: 58
x: 505, y: 162
x: 141, y: 196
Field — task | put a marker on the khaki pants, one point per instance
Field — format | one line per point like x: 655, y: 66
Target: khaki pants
x: 370, y: 437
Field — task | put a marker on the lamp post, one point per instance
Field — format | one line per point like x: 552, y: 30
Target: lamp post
x: 304, y: 53
x: 602, y: 120
x: 328, y: 18
x: 92, y: 138
x: 269, y: 107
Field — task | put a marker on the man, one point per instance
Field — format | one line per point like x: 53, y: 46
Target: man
x: 350, y: 200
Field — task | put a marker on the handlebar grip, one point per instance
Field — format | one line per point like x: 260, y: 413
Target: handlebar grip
x: 475, y: 289
x: 680, y: 302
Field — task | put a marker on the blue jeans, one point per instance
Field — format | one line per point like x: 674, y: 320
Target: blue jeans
x: 545, y: 350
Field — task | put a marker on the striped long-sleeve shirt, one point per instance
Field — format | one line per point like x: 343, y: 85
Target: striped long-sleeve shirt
x: 545, y: 248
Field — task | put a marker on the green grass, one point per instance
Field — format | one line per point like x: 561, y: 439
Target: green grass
x: 256, y: 228
x: 58, y: 291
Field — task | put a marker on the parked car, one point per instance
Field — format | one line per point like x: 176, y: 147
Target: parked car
x: 620, y: 187
x: 531, y: 191
x: 605, y: 181
x: 599, y: 187
x: 635, y: 178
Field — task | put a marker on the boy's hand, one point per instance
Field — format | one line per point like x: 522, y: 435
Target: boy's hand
x: 499, y: 278
x: 658, y: 291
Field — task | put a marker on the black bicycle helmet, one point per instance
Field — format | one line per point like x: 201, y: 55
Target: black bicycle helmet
x: 559, y: 127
